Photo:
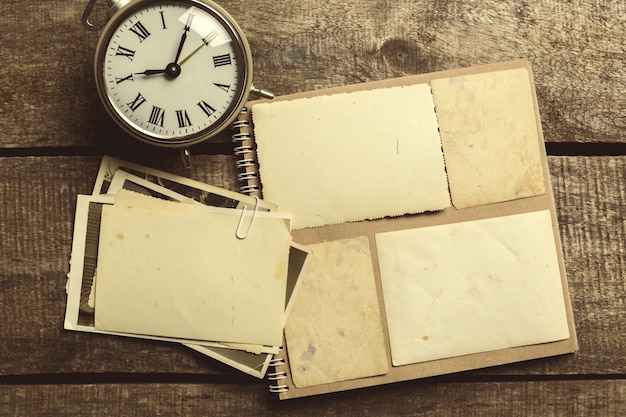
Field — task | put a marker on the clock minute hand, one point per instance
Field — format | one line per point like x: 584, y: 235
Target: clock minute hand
x: 180, y: 45
x: 183, y: 38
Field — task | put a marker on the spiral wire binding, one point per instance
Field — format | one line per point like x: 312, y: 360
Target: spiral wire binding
x: 248, y: 189
x: 245, y: 163
x: 244, y: 150
x: 248, y: 176
x: 277, y: 375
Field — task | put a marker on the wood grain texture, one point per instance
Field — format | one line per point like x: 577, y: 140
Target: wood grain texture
x: 49, y: 106
x: 48, y: 96
x: 549, y: 398
x: 576, y: 48
x: 591, y: 198
x: 36, y: 223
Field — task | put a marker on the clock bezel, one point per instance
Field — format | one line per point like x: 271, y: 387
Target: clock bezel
x: 244, y: 69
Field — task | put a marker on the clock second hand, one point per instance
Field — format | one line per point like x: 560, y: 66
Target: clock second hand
x: 190, y: 54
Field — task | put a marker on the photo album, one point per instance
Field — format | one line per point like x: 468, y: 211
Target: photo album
x: 427, y: 205
x: 383, y: 232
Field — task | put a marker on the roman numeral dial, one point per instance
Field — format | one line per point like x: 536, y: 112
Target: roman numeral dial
x: 173, y: 72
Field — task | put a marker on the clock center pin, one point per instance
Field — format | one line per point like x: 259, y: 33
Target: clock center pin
x: 172, y: 70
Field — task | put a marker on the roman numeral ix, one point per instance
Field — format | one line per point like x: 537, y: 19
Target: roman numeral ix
x: 128, y: 77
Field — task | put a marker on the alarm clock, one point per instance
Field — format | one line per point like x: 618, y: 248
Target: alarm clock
x: 172, y: 73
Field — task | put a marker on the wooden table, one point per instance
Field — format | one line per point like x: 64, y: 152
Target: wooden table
x: 54, y: 133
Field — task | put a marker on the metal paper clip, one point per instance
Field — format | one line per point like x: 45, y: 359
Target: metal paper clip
x: 185, y: 155
x: 243, y: 211
x: 85, y: 18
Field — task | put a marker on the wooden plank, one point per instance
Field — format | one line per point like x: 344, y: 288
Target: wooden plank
x: 36, y: 223
x: 590, y: 195
x: 49, y: 98
x: 426, y: 398
x: 591, y: 199
x: 576, y: 48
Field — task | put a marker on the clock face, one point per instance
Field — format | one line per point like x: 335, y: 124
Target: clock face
x: 173, y: 72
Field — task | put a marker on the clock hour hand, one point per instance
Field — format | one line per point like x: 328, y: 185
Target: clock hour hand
x: 151, y: 72
x: 171, y: 71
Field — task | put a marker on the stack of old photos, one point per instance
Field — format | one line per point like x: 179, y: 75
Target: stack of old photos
x: 159, y: 256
